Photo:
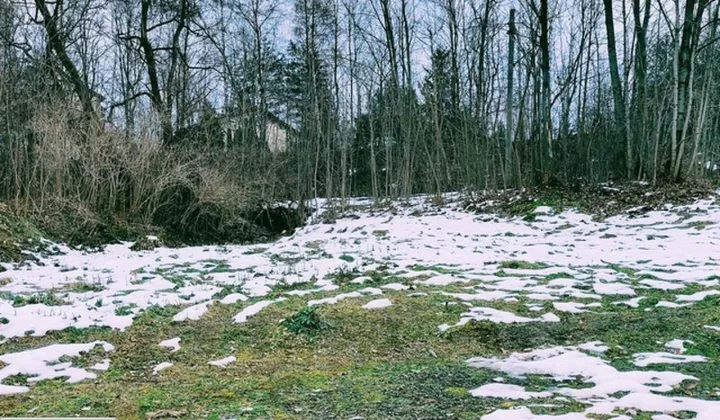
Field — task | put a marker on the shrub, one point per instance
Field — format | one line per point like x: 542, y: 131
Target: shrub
x: 307, y: 321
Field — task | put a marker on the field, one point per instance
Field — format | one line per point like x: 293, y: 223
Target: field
x: 404, y: 311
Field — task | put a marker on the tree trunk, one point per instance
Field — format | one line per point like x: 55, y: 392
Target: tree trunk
x: 509, y: 101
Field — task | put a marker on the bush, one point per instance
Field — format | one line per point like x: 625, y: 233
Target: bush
x: 307, y: 321
x: 91, y: 185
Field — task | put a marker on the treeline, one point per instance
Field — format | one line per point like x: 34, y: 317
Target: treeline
x: 186, y: 112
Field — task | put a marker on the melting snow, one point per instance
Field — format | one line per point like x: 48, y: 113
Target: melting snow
x: 223, y: 362
x: 511, y: 392
x: 254, y: 309
x: 643, y: 388
x: 161, y: 366
x: 377, y: 304
x: 42, y: 363
x: 173, y: 344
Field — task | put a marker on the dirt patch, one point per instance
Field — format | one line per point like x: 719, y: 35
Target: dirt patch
x: 600, y: 200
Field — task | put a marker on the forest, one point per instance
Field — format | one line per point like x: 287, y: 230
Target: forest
x: 183, y: 113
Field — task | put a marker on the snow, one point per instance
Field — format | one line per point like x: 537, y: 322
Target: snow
x: 644, y: 388
x: 233, y: 298
x: 613, y: 289
x: 571, y: 307
x: 696, y: 297
x: 42, y: 363
x: 395, y: 286
x: 173, y: 344
x: 511, y: 392
x: 161, y: 366
x: 647, y: 359
x: 223, y: 362
x: 592, y: 253
x: 254, y: 309
x: 594, y: 347
x: 497, y: 316
x: 104, y: 365
x: 471, y: 245
x: 377, y: 304
x: 192, y: 313
x: 335, y: 299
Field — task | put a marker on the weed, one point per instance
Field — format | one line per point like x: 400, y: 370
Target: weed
x: 307, y: 321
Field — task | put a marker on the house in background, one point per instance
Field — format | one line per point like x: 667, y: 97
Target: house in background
x: 225, y: 130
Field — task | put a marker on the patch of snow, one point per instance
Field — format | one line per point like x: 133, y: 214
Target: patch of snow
x: 377, y: 304
x: 644, y: 388
x: 104, y: 365
x: 498, y: 316
x: 677, y: 345
x: 507, y: 391
x: 161, y: 366
x: 173, y: 344
x: 254, y: 309
x: 223, y: 362
x: 594, y: 346
x: 571, y: 307
x: 233, y: 298
x: 192, y: 313
x: 42, y: 363
x: 647, y: 359
x: 613, y: 289
x: 696, y: 297
x: 395, y: 286
x: 633, y: 303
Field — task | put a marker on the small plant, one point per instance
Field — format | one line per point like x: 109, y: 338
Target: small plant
x: 4, y: 320
x: 124, y: 310
x: 98, y: 303
x: 81, y: 286
x: 343, y: 275
x: 347, y: 258
x: 307, y: 321
x: 48, y: 299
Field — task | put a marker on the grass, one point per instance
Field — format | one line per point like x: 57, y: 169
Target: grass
x: 523, y: 265
x: 340, y: 361
x: 390, y: 363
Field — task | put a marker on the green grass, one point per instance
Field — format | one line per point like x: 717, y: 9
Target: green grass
x: 436, y: 268
x: 389, y: 363
x: 523, y: 265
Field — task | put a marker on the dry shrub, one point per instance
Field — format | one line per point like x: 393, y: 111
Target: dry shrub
x: 89, y: 183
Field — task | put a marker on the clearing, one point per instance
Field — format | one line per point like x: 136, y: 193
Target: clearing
x: 408, y: 312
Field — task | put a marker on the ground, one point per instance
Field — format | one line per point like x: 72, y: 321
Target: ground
x: 410, y: 311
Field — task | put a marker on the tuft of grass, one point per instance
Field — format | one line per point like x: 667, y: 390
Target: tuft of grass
x: 523, y: 265
x: 307, y: 321
x: 622, y: 269
x: 436, y: 268
x: 343, y: 275
x: 49, y: 299
x: 82, y: 287
x: 561, y: 275
x: 124, y: 310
